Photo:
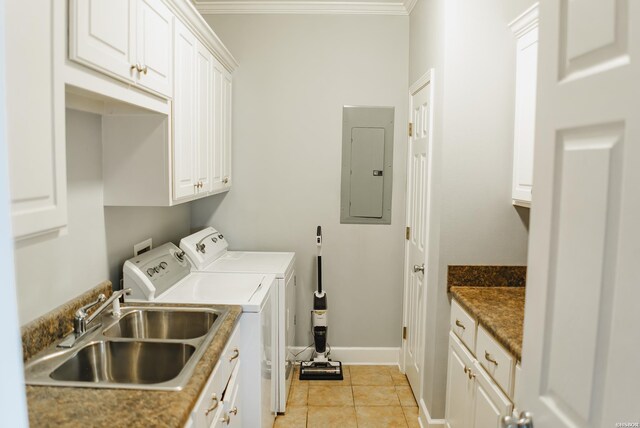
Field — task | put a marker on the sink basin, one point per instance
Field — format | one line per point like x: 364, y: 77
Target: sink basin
x: 125, y: 362
x: 162, y: 324
x: 146, y: 347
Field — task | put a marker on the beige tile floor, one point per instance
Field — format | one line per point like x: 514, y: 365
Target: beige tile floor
x: 368, y: 397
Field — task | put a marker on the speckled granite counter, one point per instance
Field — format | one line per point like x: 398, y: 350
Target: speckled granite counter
x: 499, y: 309
x: 93, y: 407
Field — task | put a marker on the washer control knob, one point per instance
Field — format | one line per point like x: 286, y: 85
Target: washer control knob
x: 163, y: 265
x: 150, y: 271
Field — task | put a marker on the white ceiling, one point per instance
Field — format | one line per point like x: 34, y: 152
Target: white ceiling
x: 359, y: 7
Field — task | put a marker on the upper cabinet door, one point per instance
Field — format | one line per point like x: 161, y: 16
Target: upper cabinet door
x: 204, y: 117
x: 184, y: 183
x: 226, y: 128
x: 525, y: 28
x: 35, y: 117
x: 154, y: 46
x: 102, y: 35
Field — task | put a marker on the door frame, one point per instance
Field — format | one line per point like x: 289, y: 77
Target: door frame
x: 426, y: 79
x: 13, y: 405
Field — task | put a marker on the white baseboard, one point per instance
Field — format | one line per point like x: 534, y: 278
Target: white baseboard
x: 425, y: 419
x: 355, y: 356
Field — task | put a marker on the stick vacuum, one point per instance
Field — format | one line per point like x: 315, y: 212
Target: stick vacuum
x: 320, y: 367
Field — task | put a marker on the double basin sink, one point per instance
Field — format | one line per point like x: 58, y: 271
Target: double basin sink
x: 144, y: 348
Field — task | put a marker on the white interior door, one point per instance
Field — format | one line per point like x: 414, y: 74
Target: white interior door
x: 581, y: 338
x: 416, y: 247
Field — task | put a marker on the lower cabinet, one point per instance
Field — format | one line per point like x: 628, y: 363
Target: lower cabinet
x: 219, y: 404
x: 474, y: 400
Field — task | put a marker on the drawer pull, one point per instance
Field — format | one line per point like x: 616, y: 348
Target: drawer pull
x: 488, y: 357
x: 236, y: 354
x: 214, y: 399
x: 459, y: 324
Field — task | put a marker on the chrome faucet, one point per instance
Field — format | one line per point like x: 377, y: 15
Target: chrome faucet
x: 81, y: 319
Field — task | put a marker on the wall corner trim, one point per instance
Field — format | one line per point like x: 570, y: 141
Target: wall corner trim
x: 425, y: 420
x: 303, y: 7
x: 409, y: 5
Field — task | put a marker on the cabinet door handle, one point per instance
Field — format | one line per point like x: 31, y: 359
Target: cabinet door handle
x: 144, y: 70
x: 236, y: 354
x: 234, y: 410
x: 225, y: 419
x: 488, y: 357
x: 471, y: 375
x: 459, y: 324
x: 226, y: 180
x: 214, y: 405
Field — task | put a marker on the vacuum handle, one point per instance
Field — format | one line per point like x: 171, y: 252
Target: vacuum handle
x: 319, y: 244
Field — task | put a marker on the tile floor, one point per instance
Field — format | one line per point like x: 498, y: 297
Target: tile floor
x: 368, y: 397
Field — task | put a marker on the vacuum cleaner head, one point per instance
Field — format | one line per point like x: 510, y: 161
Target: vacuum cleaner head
x: 321, y: 370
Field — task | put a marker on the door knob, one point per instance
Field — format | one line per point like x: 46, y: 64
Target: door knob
x: 418, y: 268
x: 524, y: 421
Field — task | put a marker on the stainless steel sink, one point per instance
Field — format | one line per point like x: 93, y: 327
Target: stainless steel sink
x: 162, y: 324
x: 125, y: 362
x: 146, y: 347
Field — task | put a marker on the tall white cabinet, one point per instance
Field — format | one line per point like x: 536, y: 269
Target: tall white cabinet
x: 35, y: 118
x: 525, y: 28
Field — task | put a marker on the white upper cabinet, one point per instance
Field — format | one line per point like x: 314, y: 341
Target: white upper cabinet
x: 35, y: 118
x: 154, y: 42
x: 127, y: 39
x: 525, y: 28
x: 221, y: 165
x: 204, y: 113
x: 102, y: 35
x: 184, y: 118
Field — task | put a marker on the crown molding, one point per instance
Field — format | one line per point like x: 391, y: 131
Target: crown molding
x: 302, y: 7
x: 409, y: 5
x: 526, y: 21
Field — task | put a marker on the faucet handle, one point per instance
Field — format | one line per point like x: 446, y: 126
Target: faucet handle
x: 80, y: 317
x: 82, y: 312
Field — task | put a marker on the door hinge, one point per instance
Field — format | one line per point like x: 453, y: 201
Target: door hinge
x: 410, y: 129
x: 404, y: 333
x: 407, y: 233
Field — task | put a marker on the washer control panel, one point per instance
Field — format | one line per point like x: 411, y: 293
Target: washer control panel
x: 203, y: 247
x: 159, y: 269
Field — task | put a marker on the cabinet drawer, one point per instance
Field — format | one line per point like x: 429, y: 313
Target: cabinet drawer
x: 209, y: 404
x: 463, y: 325
x: 496, y: 360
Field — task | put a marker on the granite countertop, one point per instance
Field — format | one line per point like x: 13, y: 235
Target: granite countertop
x: 500, y: 310
x: 68, y: 406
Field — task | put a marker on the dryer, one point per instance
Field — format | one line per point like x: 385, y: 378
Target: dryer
x: 163, y: 275
x: 207, y: 250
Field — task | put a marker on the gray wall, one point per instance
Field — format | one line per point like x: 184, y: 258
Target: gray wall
x: 296, y: 72
x: 52, y: 271
x: 472, y: 51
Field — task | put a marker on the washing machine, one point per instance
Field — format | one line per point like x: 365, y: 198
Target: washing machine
x: 164, y: 275
x: 207, y: 250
